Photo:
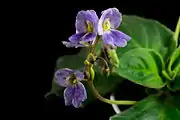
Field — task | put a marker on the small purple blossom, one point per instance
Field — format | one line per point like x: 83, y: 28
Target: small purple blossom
x: 86, y: 29
x: 75, y: 92
x: 109, y: 21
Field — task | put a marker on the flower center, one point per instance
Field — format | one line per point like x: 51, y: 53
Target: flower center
x: 106, y: 24
x: 75, y: 81
x: 89, y: 26
x: 72, y: 79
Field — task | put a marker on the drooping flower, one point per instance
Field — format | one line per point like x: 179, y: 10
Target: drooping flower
x: 75, y: 92
x: 108, y: 22
x: 86, y: 29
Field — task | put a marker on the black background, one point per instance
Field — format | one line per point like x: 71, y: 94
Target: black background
x: 48, y: 24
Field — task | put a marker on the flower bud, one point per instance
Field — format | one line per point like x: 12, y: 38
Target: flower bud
x: 111, y: 55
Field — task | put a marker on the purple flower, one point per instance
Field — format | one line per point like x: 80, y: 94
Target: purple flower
x: 109, y: 21
x: 86, y: 29
x: 75, y: 92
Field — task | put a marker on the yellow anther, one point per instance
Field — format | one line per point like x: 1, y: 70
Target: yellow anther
x: 74, y: 81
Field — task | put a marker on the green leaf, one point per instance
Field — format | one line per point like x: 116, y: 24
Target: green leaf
x: 141, y: 66
x: 147, y: 33
x: 55, y: 90
x: 73, y: 61
x: 152, y: 108
x: 174, y: 63
x: 103, y: 84
x: 175, y: 84
x: 174, y: 70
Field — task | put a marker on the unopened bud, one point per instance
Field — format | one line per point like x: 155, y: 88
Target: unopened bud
x: 112, y: 56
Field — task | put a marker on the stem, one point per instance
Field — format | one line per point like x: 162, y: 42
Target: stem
x: 165, y: 74
x: 107, y: 100
x: 105, y: 55
x: 95, y: 44
x: 176, y: 34
x: 90, y: 47
x: 103, y: 61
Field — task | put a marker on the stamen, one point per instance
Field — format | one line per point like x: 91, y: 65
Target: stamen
x: 75, y: 81
x: 72, y: 79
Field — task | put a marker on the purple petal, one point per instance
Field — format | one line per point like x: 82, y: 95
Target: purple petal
x: 79, y: 75
x: 68, y: 95
x: 114, y: 16
x: 61, y: 75
x: 82, y: 18
x: 94, y: 19
x: 71, y: 44
x: 79, y: 95
x: 81, y: 22
x: 89, y: 37
x: 108, y: 38
x: 76, y: 37
x: 120, y: 34
x: 115, y: 38
x: 120, y: 39
x: 121, y: 43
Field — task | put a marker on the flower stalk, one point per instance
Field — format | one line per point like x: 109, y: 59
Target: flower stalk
x: 95, y: 45
x: 118, y: 102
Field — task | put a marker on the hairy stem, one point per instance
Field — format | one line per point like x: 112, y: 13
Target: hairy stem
x: 105, y: 55
x: 103, y: 61
x: 118, y: 102
x: 90, y: 47
x: 95, y: 45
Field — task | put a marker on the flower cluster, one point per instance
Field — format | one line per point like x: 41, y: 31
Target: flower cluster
x: 89, y: 28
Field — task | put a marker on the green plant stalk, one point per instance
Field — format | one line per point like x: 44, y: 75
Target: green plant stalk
x: 95, y: 45
x: 91, y: 85
x: 177, y: 30
x: 176, y: 71
x: 90, y: 47
x: 165, y: 74
x: 118, y: 102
